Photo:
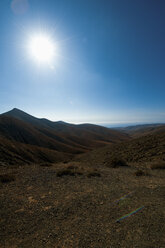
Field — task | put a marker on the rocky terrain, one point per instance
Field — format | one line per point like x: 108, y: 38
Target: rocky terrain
x: 74, y: 191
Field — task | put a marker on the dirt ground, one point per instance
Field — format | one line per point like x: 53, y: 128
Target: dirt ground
x: 40, y: 209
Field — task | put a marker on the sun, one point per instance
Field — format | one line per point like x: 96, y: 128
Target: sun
x: 41, y: 48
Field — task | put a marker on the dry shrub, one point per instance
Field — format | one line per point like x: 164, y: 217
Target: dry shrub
x: 139, y: 173
x: 7, y: 178
x: 93, y: 174
x: 65, y: 161
x: 72, y: 167
x: 116, y: 162
x: 46, y: 164
x: 157, y: 165
x: 65, y: 172
x: 77, y: 170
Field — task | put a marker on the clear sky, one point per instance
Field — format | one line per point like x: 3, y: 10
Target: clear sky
x: 109, y: 65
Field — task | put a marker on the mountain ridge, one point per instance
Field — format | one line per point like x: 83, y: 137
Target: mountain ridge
x: 18, y: 126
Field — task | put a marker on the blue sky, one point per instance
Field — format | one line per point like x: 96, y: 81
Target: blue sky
x: 109, y: 66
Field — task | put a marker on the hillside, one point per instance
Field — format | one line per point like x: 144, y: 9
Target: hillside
x: 15, y: 153
x: 20, y: 131
x: 70, y: 194
x: 85, y: 131
x: 141, y: 150
x: 17, y: 126
x: 77, y: 205
x: 139, y: 130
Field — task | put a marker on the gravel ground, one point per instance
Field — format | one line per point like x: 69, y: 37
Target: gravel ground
x: 40, y: 209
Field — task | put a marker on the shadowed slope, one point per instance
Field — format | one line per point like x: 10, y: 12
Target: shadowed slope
x: 21, y: 115
x: 83, y: 130
x: 17, y: 126
x: 84, y: 135
x: 148, y: 148
x: 15, y: 153
x: 20, y: 131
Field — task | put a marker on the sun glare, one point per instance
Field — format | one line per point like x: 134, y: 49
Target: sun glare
x: 41, y: 48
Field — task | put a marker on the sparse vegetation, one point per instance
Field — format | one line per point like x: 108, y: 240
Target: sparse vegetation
x: 58, y: 182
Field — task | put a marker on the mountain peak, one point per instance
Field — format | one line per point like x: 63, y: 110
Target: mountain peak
x: 25, y: 117
x: 15, y: 110
x: 21, y: 115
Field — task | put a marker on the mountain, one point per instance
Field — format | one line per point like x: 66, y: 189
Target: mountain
x: 18, y: 126
x: 16, y: 153
x: 142, y: 150
x: 71, y: 176
x: 21, y: 115
x: 139, y: 130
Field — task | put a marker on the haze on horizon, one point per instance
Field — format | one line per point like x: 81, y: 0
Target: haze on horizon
x: 108, y: 65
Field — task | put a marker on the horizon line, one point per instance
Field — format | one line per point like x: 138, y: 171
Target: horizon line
x: 102, y: 123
